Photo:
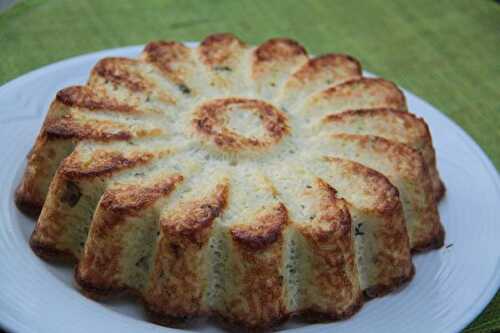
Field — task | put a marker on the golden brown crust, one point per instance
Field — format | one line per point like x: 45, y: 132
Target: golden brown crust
x: 329, y: 64
x: 163, y: 55
x: 333, y: 219
x: 128, y: 199
x: 413, y: 163
x: 277, y: 49
x: 217, y: 48
x: 273, y: 61
x: 97, y: 275
x: 103, y: 163
x: 178, y: 295
x: 434, y: 242
x: 97, y: 290
x: 28, y: 197
x: 339, y: 117
x: 209, y: 121
x: 266, y: 230
x: 393, y: 96
x: 66, y: 128
x: 50, y: 253
x: 380, y: 290
x: 265, y: 305
x: 43, y: 160
x: 314, y: 75
x: 29, y: 202
x: 116, y: 71
x: 87, y: 98
x: 189, y: 219
x: 387, y: 195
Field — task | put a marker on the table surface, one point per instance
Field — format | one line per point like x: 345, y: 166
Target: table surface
x: 447, y: 52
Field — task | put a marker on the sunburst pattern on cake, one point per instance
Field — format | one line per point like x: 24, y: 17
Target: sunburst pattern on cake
x: 251, y: 183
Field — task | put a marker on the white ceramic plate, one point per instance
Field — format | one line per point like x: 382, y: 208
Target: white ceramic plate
x: 451, y: 287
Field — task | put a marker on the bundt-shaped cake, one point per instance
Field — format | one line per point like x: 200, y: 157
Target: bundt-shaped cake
x: 250, y: 183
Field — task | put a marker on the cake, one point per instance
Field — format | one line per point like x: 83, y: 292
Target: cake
x: 247, y: 183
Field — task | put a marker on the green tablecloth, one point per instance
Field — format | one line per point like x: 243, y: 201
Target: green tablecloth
x: 447, y: 52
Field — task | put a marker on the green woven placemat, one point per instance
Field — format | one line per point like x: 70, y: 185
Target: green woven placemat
x: 447, y: 52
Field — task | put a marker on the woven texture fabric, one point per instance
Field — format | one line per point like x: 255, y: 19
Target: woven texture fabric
x: 447, y: 52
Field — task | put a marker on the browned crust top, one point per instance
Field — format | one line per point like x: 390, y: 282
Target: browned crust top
x: 115, y: 70
x: 131, y: 198
x: 209, y: 121
x: 216, y: 48
x: 395, y: 97
x: 266, y: 230
x: 86, y: 97
x: 278, y: 49
x: 411, y: 162
x: 163, y: 54
x: 191, y: 217
x: 66, y: 128
x: 383, y: 145
x: 410, y: 121
x: 387, y: 194
x: 103, y: 163
x: 333, y: 219
x: 331, y: 60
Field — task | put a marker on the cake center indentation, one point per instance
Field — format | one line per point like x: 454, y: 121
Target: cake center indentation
x: 239, y: 124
